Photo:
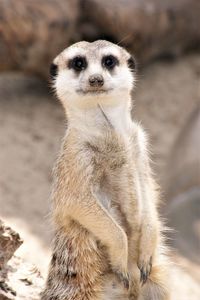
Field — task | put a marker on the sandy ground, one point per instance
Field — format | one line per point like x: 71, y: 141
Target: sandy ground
x: 32, y: 124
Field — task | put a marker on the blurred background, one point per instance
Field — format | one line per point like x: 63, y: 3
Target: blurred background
x: 164, y: 37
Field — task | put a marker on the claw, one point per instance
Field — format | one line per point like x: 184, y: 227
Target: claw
x: 143, y: 276
x: 124, y: 278
x: 145, y: 271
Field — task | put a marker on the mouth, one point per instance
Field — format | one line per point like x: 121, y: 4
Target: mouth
x: 93, y: 91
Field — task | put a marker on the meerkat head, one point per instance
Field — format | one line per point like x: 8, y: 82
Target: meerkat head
x: 86, y: 74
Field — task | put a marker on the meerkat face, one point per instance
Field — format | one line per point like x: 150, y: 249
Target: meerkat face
x: 91, y: 73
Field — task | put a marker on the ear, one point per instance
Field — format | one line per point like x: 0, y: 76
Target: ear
x: 53, y: 70
x: 131, y: 64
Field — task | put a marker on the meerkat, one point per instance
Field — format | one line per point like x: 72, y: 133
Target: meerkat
x: 108, y: 240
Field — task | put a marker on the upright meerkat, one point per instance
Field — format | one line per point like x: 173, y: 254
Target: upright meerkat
x: 108, y: 242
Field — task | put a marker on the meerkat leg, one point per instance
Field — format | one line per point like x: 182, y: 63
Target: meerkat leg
x: 134, y: 290
x: 149, y: 228
x: 148, y: 244
x: 135, y: 285
x: 93, y: 217
x: 156, y: 286
x: 75, y: 273
x: 148, y: 197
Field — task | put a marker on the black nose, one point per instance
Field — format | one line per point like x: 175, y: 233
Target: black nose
x: 96, y: 80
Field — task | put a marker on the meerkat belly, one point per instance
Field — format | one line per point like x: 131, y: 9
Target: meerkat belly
x: 116, y: 194
x: 110, y: 202
x: 115, y: 187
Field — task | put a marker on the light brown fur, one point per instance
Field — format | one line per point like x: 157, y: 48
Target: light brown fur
x: 101, y: 245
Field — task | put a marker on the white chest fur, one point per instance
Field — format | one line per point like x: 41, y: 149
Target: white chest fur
x: 91, y: 122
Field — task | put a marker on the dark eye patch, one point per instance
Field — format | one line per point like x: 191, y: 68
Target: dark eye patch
x: 53, y: 70
x: 131, y: 63
x: 78, y: 63
x: 109, y: 62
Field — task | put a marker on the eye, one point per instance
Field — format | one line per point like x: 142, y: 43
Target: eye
x: 78, y: 63
x: 110, y: 62
x: 131, y: 64
x: 53, y: 70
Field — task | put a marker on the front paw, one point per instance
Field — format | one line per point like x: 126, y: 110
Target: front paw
x: 123, y: 277
x: 119, y: 259
x: 145, y: 267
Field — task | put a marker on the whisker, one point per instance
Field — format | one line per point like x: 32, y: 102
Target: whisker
x: 125, y: 38
x: 105, y: 116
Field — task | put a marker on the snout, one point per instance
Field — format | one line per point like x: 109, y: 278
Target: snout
x: 96, y: 80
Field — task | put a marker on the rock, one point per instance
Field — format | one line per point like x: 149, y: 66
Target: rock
x: 23, y: 281
x: 148, y: 28
x: 6, y: 293
x: 33, y: 32
x: 9, y: 242
x: 18, y: 279
x: 4, y: 297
